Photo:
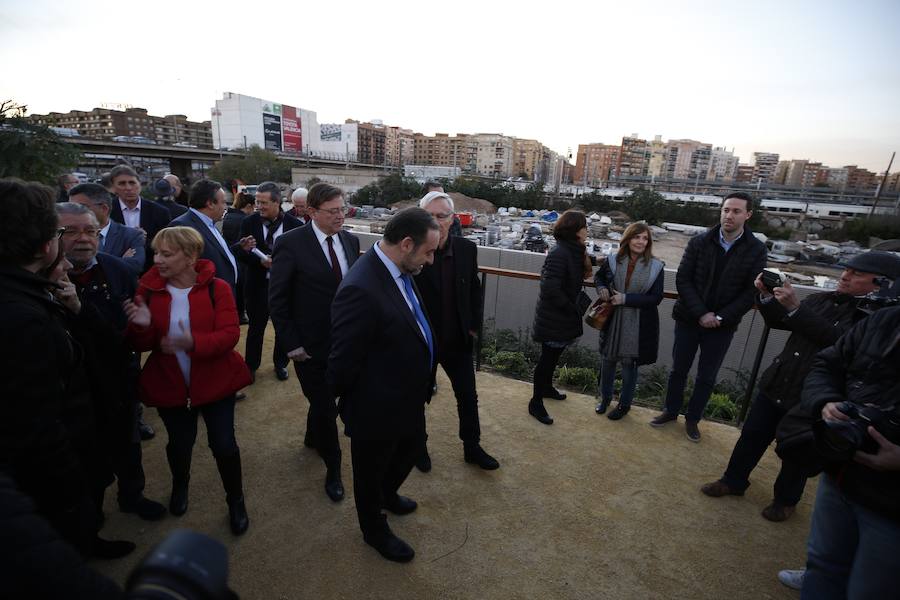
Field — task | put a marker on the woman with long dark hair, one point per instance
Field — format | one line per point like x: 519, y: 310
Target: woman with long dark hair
x: 557, y: 318
x: 633, y: 281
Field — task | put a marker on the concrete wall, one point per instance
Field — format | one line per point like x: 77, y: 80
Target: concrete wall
x: 349, y: 180
x: 510, y: 304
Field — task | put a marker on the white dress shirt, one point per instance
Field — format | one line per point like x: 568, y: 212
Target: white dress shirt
x: 215, y: 232
x: 396, y: 275
x: 132, y: 216
x: 336, y: 244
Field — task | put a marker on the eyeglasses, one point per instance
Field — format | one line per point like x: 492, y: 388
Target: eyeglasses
x: 442, y: 216
x: 341, y: 210
x: 73, y: 232
x: 59, y: 232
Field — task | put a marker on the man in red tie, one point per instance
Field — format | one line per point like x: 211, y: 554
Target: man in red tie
x: 308, y: 264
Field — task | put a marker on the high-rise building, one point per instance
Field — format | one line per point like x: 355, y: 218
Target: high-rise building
x: 527, y: 156
x: 107, y: 123
x: 861, y: 179
x: 494, y: 154
x: 445, y: 151
x: 595, y: 163
x: 371, y: 141
x: 723, y: 165
x: 658, y: 157
x: 800, y: 173
x: 764, y: 166
x: 634, y: 157
x: 744, y: 174
x: 781, y: 172
x: 399, y: 146
x: 687, y: 159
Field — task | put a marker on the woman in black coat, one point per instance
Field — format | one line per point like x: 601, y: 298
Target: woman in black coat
x: 557, y: 319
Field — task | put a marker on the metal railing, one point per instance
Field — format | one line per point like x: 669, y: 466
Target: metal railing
x: 744, y: 405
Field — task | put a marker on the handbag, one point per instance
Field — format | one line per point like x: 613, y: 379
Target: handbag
x: 598, y: 313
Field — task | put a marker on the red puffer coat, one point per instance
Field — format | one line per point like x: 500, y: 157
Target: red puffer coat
x: 217, y: 371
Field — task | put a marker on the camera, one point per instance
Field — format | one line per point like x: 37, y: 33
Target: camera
x: 839, y: 440
x: 186, y: 566
x: 886, y: 296
x: 771, y: 279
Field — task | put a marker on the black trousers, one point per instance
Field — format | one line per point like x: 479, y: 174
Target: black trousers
x: 181, y: 425
x: 756, y: 435
x: 543, y: 371
x: 127, y: 459
x: 322, y: 409
x: 257, y: 300
x: 460, y: 370
x: 379, y: 469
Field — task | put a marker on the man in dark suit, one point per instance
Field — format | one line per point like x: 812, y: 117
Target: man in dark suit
x: 382, y: 354
x: 133, y: 211
x: 308, y: 264
x: 207, y: 208
x: 114, y: 239
x: 103, y: 282
x: 452, y: 294
x: 300, y: 210
x: 265, y: 226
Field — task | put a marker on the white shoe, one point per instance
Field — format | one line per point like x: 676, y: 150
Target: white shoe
x: 792, y: 578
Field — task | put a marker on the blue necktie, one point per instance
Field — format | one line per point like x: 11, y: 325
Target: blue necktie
x: 420, y: 316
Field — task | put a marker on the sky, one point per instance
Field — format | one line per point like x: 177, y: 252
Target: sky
x: 816, y: 80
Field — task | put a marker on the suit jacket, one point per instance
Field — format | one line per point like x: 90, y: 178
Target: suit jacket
x: 175, y: 209
x: 302, y: 287
x: 212, y: 249
x: 153, y: 218
x: 253, y: 225
x: 119, y: 239
x: 379, y: 363
x: 467, y: 293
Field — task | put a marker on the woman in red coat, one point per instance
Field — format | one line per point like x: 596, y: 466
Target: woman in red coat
x: 187, y: 319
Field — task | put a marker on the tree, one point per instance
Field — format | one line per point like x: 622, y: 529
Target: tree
x: 29, y: 151
x: 253, y: 166
x: 387, y: 190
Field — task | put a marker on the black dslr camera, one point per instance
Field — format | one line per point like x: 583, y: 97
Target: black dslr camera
x: 839, y: 440
x: 771, y: 279
x: 185, y: 566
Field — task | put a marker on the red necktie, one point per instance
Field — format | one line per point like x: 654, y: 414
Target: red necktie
x: 335, y: 265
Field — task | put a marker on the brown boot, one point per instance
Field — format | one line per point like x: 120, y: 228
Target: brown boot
x: 719, y: 488
x: 778, y: 512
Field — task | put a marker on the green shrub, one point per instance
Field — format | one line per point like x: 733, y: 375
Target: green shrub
x: 511, y: 363
x: 721, y: 407
x: 577, y: 378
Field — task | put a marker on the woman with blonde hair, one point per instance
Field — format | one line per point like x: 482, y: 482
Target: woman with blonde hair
x: 186, y: 318
x: 633, y: 281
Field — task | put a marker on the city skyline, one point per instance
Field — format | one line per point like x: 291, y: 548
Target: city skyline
x: 807, y: 81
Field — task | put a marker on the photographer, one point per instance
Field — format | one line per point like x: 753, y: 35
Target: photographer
x: 815, y: 323
x: 854, y: 536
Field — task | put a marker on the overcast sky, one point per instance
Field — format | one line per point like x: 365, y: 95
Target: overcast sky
x: 806, y: 79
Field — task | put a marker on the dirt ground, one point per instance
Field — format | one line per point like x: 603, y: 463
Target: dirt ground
x: 586, y: 508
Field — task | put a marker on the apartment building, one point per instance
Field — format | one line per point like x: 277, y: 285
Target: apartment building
x: 595, y: 163
x: 634, y: 157
x: 527, y: 157
x: 764, y: 166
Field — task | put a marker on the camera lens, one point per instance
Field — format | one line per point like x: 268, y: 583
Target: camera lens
x: 838, y: 440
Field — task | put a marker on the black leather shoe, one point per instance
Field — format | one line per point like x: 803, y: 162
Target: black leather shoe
x: 554, y: 394
x: 240, y: 396
x: 237, y: 516
x: 618, y: 412
x: 243, y: 320
x: 144, y: 508
x: 424, y: 462
x: 540, y: 413
x: 601, y: 407
x: 474, y: 454
x: 146, y: 431
x: 334, y: 488
x: 111, y: 549
x: 391, y: 547
x: 178, y: 501
x: 400, y: 505
x: 281, y: 373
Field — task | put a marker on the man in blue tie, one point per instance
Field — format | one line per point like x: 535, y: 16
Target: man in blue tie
x: 382, y: 353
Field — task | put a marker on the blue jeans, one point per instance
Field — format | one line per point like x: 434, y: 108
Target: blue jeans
x: 852, y: 551
x: 713, y: 344
x: 608, y: 377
